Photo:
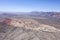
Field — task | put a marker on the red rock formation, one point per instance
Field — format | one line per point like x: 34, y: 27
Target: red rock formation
x: 19, y: 22
x: 7, y: 21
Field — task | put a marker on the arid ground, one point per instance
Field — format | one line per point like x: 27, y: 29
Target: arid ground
x: 30, y: 26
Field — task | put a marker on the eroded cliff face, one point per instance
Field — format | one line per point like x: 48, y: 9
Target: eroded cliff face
x: 30, y: 24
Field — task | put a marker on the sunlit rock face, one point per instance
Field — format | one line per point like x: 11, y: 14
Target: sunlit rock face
x: 30, y: 24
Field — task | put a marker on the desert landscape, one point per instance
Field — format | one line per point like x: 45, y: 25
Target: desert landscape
x: 30, y: 26
x: 29, y: 19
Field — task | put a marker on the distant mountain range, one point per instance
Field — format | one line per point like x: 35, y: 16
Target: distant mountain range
x: 37, y: 14
x: 45, y: 14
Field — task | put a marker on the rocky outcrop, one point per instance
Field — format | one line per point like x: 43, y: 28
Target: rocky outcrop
x: 30, y: 24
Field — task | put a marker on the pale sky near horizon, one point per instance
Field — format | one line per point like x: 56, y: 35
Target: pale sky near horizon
x: 29, y: 5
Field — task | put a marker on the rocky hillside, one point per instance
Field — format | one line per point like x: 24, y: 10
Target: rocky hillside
x: 30, y: 24
x: 27, y: 29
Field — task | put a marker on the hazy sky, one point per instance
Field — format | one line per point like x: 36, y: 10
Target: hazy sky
x: 29, y: 5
